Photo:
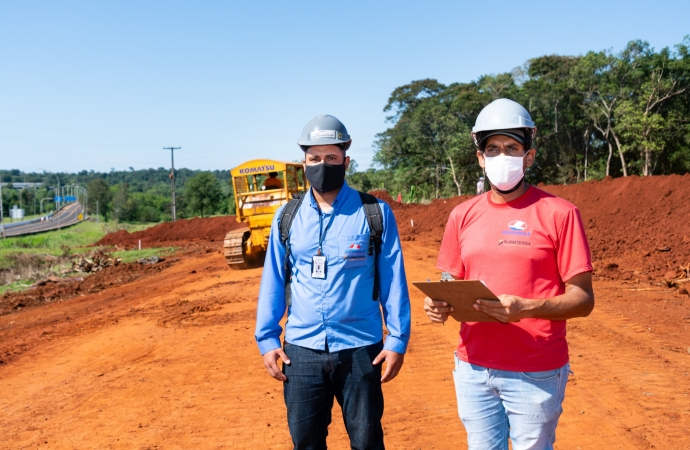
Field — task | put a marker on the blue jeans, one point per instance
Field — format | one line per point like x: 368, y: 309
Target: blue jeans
x: 497, y: 404
x: 315, y: 377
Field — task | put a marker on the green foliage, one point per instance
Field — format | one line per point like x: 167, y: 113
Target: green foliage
x: 29, y: 198
x: 14, y: 287
x: 203, y: 192
x: 99, y: 197
x: 598, y: 114
x: 127, y: 196
x: 429, y: 144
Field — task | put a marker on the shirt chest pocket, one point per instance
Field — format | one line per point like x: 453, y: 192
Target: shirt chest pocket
x: 353, y: 250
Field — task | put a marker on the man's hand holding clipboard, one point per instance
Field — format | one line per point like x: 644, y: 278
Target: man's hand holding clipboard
x: 468, y: 301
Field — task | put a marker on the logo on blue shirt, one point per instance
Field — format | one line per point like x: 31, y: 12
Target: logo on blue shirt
x: 355, y: 252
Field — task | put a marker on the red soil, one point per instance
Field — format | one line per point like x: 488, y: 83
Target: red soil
x: 168, y: 360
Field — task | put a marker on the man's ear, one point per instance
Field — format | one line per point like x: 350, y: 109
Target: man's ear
x: 347, y: 162
x: 480, y: 157
x: 530, y: 157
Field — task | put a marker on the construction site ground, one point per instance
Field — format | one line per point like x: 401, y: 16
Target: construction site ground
x: 163, y: 356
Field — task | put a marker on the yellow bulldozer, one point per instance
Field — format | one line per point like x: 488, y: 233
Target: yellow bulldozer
x: 261, y: 186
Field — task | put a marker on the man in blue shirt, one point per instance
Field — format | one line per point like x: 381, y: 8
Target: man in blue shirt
x: 333, y: 336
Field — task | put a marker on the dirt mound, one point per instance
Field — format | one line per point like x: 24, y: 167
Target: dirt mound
x: 638, y: 227
x: 383, y: 195
x: 429, y: 221
x: 208, y: 229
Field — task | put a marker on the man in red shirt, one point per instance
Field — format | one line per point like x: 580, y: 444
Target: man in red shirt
x: 529, y: 247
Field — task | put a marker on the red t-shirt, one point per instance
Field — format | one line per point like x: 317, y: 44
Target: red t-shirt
x: 527, y: 247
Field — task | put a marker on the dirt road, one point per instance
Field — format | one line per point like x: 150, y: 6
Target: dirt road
x: 169, y: 361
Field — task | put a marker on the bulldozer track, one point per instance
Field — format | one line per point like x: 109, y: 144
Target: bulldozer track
x: 234, y: 248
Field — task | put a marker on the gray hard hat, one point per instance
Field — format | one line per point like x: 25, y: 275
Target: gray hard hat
x: 324, y: 130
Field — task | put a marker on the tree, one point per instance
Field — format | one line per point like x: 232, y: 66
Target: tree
x: 203, y: 192
x: 124, y: 208
x: 99, y: 197
x: 407, y: 97
x: 551, y: 102
x: 601, y: 79
x: 644, y: 118
x: 429, y: 145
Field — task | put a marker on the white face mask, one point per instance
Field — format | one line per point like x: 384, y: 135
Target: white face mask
x: 504, y: 171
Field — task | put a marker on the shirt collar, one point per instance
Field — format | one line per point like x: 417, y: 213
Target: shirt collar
x: 339, y: 199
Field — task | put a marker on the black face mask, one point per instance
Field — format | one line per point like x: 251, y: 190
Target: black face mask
x: 326, y: 178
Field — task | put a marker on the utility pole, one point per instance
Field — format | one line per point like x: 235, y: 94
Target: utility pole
x: 172, y: 177
x: 57, y: 203
x: 85, y: 205
x: 57, y: 194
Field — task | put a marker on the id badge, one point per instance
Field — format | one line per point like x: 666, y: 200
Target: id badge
x: 318, y: 267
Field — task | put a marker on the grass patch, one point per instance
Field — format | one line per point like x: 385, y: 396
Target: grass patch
x: 25, y: 259
x: 14, y: 286
x: 80, y: 235
x: 128, y: 256
x: 25, y: 218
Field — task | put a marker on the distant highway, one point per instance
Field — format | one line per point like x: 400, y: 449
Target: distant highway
x: 68, y: 215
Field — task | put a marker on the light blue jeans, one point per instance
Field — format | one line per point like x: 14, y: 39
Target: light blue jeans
x: 497, y: 404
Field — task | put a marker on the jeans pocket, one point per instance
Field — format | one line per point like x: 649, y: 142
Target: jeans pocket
x: 543, y: 376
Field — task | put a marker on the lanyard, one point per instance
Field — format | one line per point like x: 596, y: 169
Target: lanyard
x: 322, y: 232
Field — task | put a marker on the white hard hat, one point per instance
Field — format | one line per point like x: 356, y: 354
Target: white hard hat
x: 502, y: 114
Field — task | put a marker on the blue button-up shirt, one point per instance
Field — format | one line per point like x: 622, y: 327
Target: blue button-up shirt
x: 337, y: 311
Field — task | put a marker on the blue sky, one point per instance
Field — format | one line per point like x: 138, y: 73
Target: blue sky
x: 107, y: 84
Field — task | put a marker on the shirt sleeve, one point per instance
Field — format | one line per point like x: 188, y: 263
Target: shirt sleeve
x: 271, y: 306
x: 573, y: 255
x: 450, y: 256
x: 394, y: 296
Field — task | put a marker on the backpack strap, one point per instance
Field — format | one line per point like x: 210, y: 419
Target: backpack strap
x: 372, y: 210
x: 374, y: 215
x: 287, y: 215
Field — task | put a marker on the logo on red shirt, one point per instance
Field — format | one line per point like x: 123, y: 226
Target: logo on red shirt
x: 517, y: 225
x: 514, y: 242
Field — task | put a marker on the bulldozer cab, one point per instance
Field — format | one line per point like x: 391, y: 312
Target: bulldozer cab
x: 261, y: 186
x: 257, y: 193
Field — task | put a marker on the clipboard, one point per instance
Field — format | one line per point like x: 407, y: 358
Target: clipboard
x: 460, y: 294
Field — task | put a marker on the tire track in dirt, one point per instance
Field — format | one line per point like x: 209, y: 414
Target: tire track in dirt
x: 627, y: 391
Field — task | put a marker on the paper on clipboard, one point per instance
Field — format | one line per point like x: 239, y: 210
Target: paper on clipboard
x: 461, y: 295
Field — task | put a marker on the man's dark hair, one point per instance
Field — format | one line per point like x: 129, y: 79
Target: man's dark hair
x: 272, y: 174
